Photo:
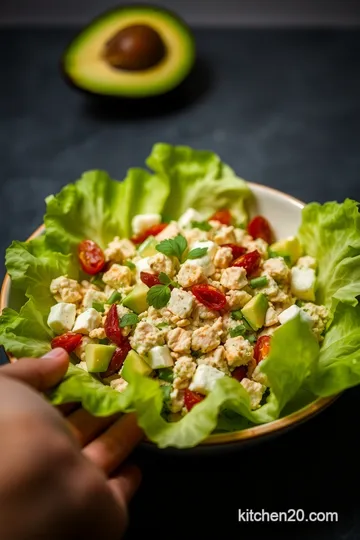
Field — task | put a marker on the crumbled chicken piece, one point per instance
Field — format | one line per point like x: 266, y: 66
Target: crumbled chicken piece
x: 271, y: 317
x: 215, y: 359
x: 184, y: 370
x: 255, y: 391
x: 239, y: 351
x: 257, y: 245
x: 190, y: 275
x: 85, y: 285
x: 251, y: 366
x: 146, y: 336
x: 272, y: 290
x: 223, y: 257
x: 176, y: 402
x: 66, y: 290
x: 92, y: 296
x: 269, y: 331
x: 319, y: 316
x: 108, y: 291
x: 307, y: 262
x: 237, y: 299
x: 170, y: 231
x: 234, y: 278
x: 80, y: 349
x: 161, y: 263
x: 119, y: 384
x: 259, y: 376
x: 207, y: 338
x: 203, y: 313
x: 277, y: 269
x: 118, y: 276
x: 181, y: 303
x: 195, y: 235
x: 98, y: 333
x: 224, y: 235
x: 216, y: 283
x: 241, y: 235
x: 118, y: 250
x: 179, y: 340
x: 229, y: 323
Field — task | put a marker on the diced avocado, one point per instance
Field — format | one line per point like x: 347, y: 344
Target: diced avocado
x: 255, y: 311
x: 136, y: 299
x: 97, y: 357
x: 289, y: 246
x: 147, y: 248
x: 159, y: 357
x: 134, y: 362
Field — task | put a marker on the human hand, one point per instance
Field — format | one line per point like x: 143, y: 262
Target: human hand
x: 60, y: 478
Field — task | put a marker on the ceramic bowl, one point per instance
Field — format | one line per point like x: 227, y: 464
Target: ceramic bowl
x: 284, y: 214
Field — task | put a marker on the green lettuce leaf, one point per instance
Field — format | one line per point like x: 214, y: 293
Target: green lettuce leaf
x: 200, y: 180
x: 331, y: 233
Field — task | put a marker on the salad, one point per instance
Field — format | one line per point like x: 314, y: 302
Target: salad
x: 174, y: 303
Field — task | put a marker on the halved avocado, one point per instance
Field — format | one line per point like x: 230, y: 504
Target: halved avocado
x: 133, y: 51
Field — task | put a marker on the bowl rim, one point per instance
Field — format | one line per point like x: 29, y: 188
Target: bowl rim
x: 248, y: 434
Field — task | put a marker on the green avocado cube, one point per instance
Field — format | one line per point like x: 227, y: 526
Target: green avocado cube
x: 136, y: 299
x: 134, y: 362
x: 288, y: 247
x: 255, y: 310
x: 147, y: 248
x: 98, y: 357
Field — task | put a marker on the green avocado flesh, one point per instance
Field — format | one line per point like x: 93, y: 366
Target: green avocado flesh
x: 134, y: 362
x: 255, y: 311
x: 97, y: 357
x: 289, y: 247
x: 148, y: 247
x: 136, y: 299
x: 89, y: 61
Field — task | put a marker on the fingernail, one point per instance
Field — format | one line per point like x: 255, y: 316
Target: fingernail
x: 54, y: 354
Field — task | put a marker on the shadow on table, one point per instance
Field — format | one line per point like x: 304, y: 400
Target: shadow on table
x: 185, y: 95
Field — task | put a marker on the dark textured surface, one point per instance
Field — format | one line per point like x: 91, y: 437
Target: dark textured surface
x: 283, y: 109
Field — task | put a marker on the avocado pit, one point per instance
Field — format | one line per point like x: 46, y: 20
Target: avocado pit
x: 134, y: 48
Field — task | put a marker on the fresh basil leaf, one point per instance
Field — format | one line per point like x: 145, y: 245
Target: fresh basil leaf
x: 166, y: 374
x: 173, y: 247
x: 99, y: 306
x: 202, y: 225
x: 237, y: 315
x: 239, y: 330
x: 129, y: 319
x: 115, y: 297
x: 197, y: 253
x: 164, y: 279
x: 130, y: 265
x: 158, y: 296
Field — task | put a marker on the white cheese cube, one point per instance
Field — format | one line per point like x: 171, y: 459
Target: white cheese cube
x: 143, y: 266
x: 291, y: 313
x: 189, y: 216
x: 303, y: 283
x: 211, y: 247
x: 87, y: 321
x: 160, y: 357
x: 142, y: 222
x: 205, y: 262
x: 181, y: 303
x: 205, y: 378
x: 62, y: 317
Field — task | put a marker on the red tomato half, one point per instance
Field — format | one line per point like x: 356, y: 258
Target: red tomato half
x: 151, y: 231
x: 112, y: 327
x: 262, y: 348
x: 208, y: 295
x: 249, y: 261
x: 149, y: 279
x: 237, y: 251
x: 191, y: 399
x: 91, y: 257
x: 259, y: 227
x: 68, y: 341
x: 223, y: 216
x: 239, y: 373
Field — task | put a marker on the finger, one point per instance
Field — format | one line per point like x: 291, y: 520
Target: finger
x: 40, y: 373
x: 112, y: 447
x: 67, y: 408
x: 125, y: 484
x: 86, y: 427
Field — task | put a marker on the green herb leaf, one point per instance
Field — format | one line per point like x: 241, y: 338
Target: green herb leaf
x: 99, y: 306
x: 252, y: 338
x: 164, y: 279
x: 158, y: 296
x: 237, y: 315
x: 173, y: 247
x: 115, y: 297
x: 129, y: 319
x: 202, y: 225
x: 97, y: 281
x: 129, y: 264
x: 239, y: 330
x: 162, y: 325
x: 166, y: 374
x: 273, y: 254
x: 258, y: 282
x: 197, y: 253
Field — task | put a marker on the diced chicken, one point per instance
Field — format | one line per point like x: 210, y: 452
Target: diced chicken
x: 255, y: 391
x: 225, y: 235
x: 190, y: 275
x: 119, y: 384
x: 216, y: 359
x: 92, y: 296
x: 205, y: 379
x: 118, y: 250
x: 66, y: 290
x: 202, y: 313
x: 319, y: 316
x: 271, y: 317
x: 87, y: 321
x: 146, y: 336
x: 277, y: 269
x: 161, y: 263
x: 181, y: 303
x: 273, y: 291
x: 170, y: 231
x: 259, y: 376
x: 223, y: 257
x: 237, y: 299
x: 142, y: 222
x: 195, y: 235
x: 184, y: 370
x: 257, y: 245
x: 238, y: 351
x: 97, y: 333
x: 61, y: 317
x: 207, y: 338
x: 234, y: 278
x: 118, y: 276
x: 179, y: 340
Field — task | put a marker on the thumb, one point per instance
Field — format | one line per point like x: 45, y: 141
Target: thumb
x: 39, y: 373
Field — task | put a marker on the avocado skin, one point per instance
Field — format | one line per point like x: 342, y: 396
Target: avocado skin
x: 183, y: 90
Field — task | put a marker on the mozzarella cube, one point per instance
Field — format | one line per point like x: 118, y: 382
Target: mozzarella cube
x: 205, y: 263
x: 142, y: 222
x: 291, y: 313
x: 189, y: 216
x: 211, y: 247
x: 303, y: 283
x: 93, y: 296
x: 205, y: 378
x: 87, y: 321
x: 160, y: 357
x: 143, y: 266
x: 62, y: 317
x: 181, y: 303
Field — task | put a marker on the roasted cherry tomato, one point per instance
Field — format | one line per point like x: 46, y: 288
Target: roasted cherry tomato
x: 262, y: 348
x: 149, y: 279
x: 223, y: 216
x: 112, y: 327
x: 249, y: 261
x: 210, y: 296
x: 151, y: 231
x: 68, y: 341
x: 91, y: 257
x: 191, y: 399
x: 237, y: 251
x: 259, y: 227
x: 118, y: 358
x: 239, y: 373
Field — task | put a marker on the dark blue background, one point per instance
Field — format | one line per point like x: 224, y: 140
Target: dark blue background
x: 282, y: 108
